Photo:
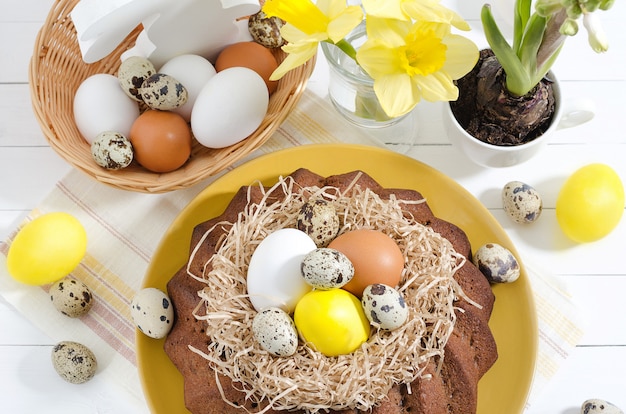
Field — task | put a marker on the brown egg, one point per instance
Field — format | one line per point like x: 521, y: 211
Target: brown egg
x: 250, y: 55
x: 375, y: 256
x: 161, y: 140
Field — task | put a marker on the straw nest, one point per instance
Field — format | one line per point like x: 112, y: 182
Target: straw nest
x: 309, y: 380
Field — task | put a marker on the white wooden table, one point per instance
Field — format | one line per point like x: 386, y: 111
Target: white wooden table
x: 595, y: 273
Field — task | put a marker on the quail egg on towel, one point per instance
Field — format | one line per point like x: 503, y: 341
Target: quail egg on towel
x: 275, y: 331
x: 74, y: 362
x: 71, y: 297
x: 152, y: 312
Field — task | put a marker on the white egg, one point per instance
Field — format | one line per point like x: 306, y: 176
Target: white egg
x: 100, y: 105
x: 230, y: 107
x: 274, y: 278
x: 193, y: 71
x: 152, y: 312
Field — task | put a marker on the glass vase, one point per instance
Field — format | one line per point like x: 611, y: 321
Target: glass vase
x: 351, y: 92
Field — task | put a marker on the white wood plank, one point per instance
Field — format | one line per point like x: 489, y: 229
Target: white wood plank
x: 37, y: 386
x: 17, y: 330
x: 9, y: 220
x: 18, y: 125
x: 590, y: 372
x: 29, y: 174
x: 599, y: 297
x: 543, y: 244
x: 18, y: 51
x: 25, y: 10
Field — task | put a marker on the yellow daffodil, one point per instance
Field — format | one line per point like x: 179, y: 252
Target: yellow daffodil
x: 410, y: 61
x: 308, y: 24
x: 419, y: 10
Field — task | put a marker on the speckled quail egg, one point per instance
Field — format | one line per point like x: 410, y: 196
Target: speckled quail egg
x: 152, y: 312
x: 319, y: 219
x: 325, y: 268
x: 384, y: 306
x: 266, y: 30
x: 275, y: 331
x: 598, y: 406
x: 163, y: 92
x: 74, y: 362
x: 521, y: 202
x: 112, y: 150
x: 71, y: 297
x: 132, y: 73
x: 497, y: 263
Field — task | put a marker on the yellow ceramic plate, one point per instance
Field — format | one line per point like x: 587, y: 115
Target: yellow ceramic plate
x: 503, y: 389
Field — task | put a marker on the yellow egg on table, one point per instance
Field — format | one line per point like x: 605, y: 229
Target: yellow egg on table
x: 591, y: 203
x: 333, y: 321
x: 47, y: 249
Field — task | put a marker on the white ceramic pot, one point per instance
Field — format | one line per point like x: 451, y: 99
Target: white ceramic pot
x: 489, y: 155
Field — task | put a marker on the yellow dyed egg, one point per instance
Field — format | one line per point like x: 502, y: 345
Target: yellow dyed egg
x: 332, y: 321
x: 591, y: 203
x: 47, y: 249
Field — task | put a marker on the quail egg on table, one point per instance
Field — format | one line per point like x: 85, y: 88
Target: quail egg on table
x: 384, y: 306
x: 152, y: 312
x: 497, y: 263
x: 318, y: 218
x: 112, y: 150
x: 598, y: 406
x: 132, y: 73
x: 326, y: 268
x: 163, y: 92
x: 521, y: 202
x: 275, y: 331
x: 74, y: 362
x: 71, y: 297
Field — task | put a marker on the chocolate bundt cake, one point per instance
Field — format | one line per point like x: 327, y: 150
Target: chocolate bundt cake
x: 438, y: 373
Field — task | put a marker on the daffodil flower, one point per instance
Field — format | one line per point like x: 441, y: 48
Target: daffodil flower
x: 410, y: 61
x: 308, y: 24
x: 424, y: 10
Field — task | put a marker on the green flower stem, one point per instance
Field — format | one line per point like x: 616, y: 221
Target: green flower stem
x: 347, y: 48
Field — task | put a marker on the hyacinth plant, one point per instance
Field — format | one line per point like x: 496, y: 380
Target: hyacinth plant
x: 508, y: 99
x: 410, y: 51
x: 539, y: 36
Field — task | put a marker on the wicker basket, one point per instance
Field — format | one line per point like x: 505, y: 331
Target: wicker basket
x: 56, y: 71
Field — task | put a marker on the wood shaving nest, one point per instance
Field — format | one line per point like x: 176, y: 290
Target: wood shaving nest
x: 309, y: 380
